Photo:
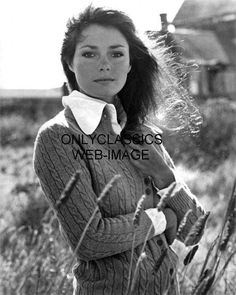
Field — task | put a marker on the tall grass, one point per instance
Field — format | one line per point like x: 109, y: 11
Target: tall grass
x: 35, y: 258
x: 37, y: 261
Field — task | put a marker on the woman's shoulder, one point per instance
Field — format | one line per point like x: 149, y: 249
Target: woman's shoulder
x: 52, y: 126
x: 59, y: 122
x: 55, y: 128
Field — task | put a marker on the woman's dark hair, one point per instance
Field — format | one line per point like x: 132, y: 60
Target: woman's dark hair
x: 151, y: 89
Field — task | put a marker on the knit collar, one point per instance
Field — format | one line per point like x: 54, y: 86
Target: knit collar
x: 88, y: 111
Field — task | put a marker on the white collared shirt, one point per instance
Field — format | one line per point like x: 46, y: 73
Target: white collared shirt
x: 88, y: 111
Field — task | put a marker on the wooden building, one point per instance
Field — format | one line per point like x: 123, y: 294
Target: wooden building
x: 205, y: 39
x: 206, y: 33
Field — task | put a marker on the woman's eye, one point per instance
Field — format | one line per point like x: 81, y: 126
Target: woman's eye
x: 117, y: 54
x: 88, y: 54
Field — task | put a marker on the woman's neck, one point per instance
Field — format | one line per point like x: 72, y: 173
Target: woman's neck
x: 107, y: 100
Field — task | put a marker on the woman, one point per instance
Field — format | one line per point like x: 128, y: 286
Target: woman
x: 114, y: 82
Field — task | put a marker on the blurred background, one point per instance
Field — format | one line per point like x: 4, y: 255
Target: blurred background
x: 202, y: 34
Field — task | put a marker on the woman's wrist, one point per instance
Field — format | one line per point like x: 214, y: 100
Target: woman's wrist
x: 164, y: 181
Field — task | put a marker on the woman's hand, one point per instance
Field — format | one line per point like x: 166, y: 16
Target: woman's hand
x: 150, y: 162
x: 171, y: 225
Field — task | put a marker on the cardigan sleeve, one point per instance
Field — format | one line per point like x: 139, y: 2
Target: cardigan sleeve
x: 183, y: 200
x: 105, y: 236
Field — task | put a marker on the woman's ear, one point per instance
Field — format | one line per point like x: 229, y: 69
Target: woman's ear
x: 129, y: 68
x: 70, y: 66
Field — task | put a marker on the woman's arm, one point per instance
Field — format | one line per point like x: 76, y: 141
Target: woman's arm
x: 105, y: 236
x: 183, y: 200
x: 163, y: 172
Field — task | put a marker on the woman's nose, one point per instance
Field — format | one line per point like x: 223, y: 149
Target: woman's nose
x: 104, y: 65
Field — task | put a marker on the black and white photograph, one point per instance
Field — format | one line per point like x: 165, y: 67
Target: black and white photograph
x: 118, y: 147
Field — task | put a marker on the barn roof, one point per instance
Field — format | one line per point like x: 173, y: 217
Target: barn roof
x: 201, y: 46
x: 193, y: 10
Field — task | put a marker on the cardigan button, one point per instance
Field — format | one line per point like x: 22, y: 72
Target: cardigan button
x: 147, y: 181
x: 160, y: 243
x: 148, y: 191
x: 171, y: 271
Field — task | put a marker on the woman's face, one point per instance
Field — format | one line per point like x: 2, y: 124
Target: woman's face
x: 101, y: 62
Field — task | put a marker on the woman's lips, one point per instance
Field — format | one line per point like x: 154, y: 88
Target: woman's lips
x: 104, y: 81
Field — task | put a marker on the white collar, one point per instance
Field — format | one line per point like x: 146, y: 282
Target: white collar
x: 88, y: 111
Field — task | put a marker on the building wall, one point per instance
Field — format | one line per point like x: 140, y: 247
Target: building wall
x: 224, y: 82
x: 205, y: 82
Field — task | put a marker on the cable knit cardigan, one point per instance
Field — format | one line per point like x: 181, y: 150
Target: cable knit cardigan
x: 103, y: 258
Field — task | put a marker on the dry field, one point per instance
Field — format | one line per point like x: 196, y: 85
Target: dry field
x: 35, y: 259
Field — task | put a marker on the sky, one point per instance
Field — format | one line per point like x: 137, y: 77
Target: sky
x: 31, y: 34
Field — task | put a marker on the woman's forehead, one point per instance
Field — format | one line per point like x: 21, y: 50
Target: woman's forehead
x: 95, y: 35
